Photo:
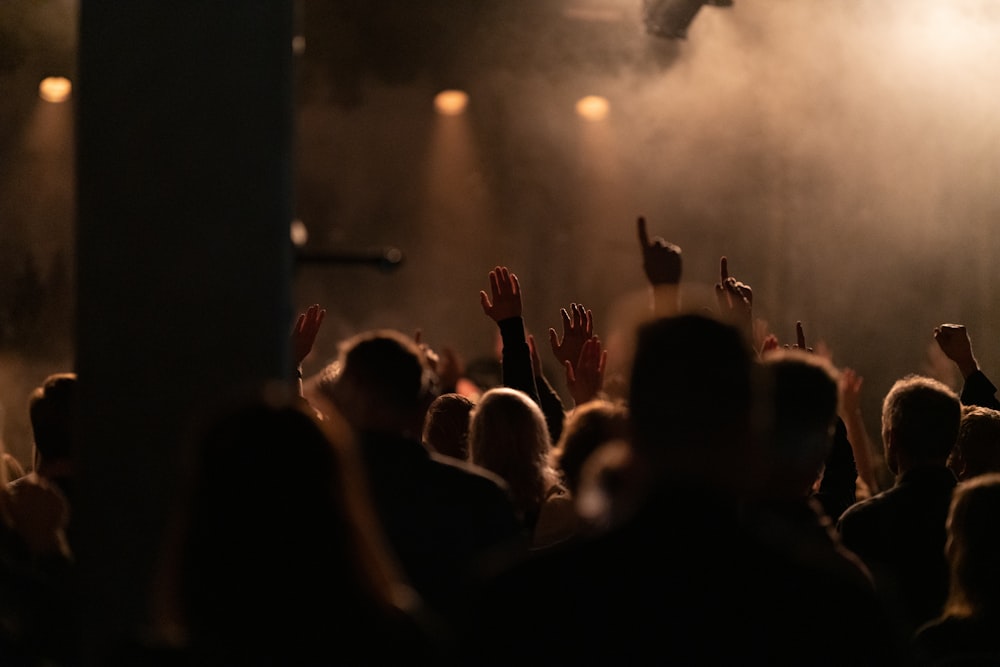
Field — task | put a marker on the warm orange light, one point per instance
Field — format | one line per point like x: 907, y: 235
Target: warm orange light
x: 451, y: 102
x: 593, y: 107
x: 299, y: 44
x: 55, y: 89
x: 300, y: 235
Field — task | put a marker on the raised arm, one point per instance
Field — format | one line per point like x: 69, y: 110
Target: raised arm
x: 585, y: 378
x: 578, y: 328
x: 503, y: 306
x: 735, y: 300
x: 304, y: 334
x: 548, y: 397
x: 865, y: 458
x: 661, y: 262
x: 955, y: 342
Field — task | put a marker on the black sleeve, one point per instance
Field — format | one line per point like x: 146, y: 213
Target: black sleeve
x: 838, y: 490
x: 552, y: 407
x: 516, y: 360
x: 978, y: 390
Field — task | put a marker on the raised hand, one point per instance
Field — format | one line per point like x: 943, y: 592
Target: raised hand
x: 800, y: 339
x: 585, y: 378
x: 661, y: 260
x: 849, y: 385
x: 578, y: 328
x: 735, y: 298
x: 304, y: 332
x: 954, y: 341
x: 504, y: 300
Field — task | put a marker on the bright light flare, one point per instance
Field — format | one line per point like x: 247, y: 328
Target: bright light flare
x: 593, y: 107
x: 55, y: 89
x: 451, y: 102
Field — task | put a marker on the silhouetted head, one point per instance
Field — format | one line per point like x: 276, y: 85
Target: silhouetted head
x: 920, y: 422
x: 52, y: 408
x: 805, y: 397
x: 973, y: 547
x: 691, y: 401
x: 508, y: 436
x: 290, y: 554
x: 381, y: 382
x: 446, y: 425
x: 589, y: 426
x: 977, y: 450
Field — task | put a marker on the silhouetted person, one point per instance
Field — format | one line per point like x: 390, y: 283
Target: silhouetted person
x: 446, y: 520
x: 587, y: 427
x: 900, y: 533
x: 977, y: 450
x: 968, y: 631
x: 283, y: 569
x: 509, y: 437
x: 52, y: 409
x: 37, y: 575
x: 446, y: 426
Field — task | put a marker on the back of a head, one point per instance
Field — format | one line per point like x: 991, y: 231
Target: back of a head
x: 381, y: 381
x: 509, y: 437
x: 587, y: 428
x: 804, y: 395
x: 974, y: 547
x: 923, y: 416
x: 261, y: 538
x: 977, y: 450
x: 446, y: 426
x: 52, y: 408
x: 691, y: 392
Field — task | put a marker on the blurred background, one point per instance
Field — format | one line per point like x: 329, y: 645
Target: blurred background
x: 844, y: 156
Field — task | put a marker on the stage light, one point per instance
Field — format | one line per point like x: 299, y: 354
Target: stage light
x: 671, y: 18
x: 451, y: 102
x: 55, y: 89
x: 593, y: 107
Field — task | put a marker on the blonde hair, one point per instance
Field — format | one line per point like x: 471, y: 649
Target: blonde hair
x: 508, y: 436
x: 973, y: 547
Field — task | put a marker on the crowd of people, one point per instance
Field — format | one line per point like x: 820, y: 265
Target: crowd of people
x: 728, y: 507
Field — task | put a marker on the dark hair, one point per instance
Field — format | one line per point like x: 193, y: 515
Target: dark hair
x: 446, y: 425
x: 589, y: 426
x: 977, y: 450
x: 805, y: 398
x: 691, y: 382
x: 52, y: 408
x: 379, y: 376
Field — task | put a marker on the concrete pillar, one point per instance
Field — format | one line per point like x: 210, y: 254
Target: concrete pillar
x: 184, y: 170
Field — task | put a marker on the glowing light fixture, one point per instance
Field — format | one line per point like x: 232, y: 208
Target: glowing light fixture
x: 451, y: 102
x: 300, y: 235
x: 55, y: 89
x: 593, y: 107
x: 299, y: 44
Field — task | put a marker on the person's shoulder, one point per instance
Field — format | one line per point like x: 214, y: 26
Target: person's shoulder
x: 468, y: 473
x: 866, y: 509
